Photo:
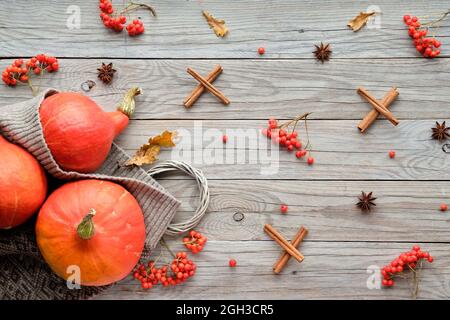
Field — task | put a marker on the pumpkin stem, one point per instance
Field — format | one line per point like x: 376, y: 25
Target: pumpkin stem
x: 86, y: 227
x: 128, y: 104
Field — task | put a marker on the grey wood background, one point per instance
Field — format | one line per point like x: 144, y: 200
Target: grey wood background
x: 283, y: 83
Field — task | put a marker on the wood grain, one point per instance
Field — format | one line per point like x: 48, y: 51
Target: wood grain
x: 286, y: 28
x: 283, y: 83
x: 405, y: 211
x: 331, y: 270
x: 341, y: 152
x: 260, y: 89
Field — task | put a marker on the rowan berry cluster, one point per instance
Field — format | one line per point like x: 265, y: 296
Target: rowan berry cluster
x: 289, y: 140
x: 115, y: 24
x: 118, y: 22
x: 106, y: 6
x: 135, y: 28
x: 428, y: 47
x: 195, y: 242
x: 405, y: 261
x: 181, y: 268
x: 19, y: 71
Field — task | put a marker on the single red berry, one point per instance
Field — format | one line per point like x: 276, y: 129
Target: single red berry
x: 261, y: 50
x: 300, y: 154
x: 284, y: 208
x: 310, y: 160
x: 224, y: 138
x: 406, y: 17
x: 444, y: 207
x: 392, y: 154
x: 232, y: 263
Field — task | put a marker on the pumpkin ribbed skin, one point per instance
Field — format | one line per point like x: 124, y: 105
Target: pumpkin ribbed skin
x: 23, y: 185
x: 78, y: 132
x: 118, y: 241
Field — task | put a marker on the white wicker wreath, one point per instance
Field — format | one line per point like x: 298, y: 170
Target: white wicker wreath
x: 172, y: 165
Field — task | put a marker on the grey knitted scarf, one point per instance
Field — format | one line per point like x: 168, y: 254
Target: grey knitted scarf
x: 23, y: 273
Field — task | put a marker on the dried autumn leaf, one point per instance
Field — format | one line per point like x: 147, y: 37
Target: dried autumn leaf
x: 218, y: 25
x: 360, y: 20
x: 147, y: 153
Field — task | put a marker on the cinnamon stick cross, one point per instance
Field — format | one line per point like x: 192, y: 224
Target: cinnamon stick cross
x: 205, y: 83
x: 379, y: 107
x: 288, y: 247
x: 284, y: 259
x: 198, y: 91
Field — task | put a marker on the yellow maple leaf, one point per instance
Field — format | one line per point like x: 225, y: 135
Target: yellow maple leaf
x: 360, y: 20
x: 148, y: 152
x: 218, y: 25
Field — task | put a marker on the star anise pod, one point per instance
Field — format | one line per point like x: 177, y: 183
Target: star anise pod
x: 106, y: 72
x: 440, y: 131
x: 366, y: 201
x: 323, y: 52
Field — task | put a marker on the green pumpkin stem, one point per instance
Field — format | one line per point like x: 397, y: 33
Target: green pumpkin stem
x: 86, y: 229
x: 128, y: 103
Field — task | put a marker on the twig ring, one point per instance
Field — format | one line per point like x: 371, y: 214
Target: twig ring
x: 175, y: 229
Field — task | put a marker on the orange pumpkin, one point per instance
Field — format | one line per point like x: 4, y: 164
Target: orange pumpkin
x: 78, y: 132
x: 96, y: 226
x: 23, y: 185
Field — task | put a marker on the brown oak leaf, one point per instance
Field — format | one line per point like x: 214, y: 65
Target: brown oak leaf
x: 148, y: 152
x: 218, y: 25
x: 360, y: 20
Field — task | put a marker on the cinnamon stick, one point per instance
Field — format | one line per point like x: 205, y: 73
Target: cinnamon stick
x: 284, y: 259
x: 209, y: 86
x: 275, y: 235
x: 373, y: 114
x: 198, y: 91
x: 378, y: 106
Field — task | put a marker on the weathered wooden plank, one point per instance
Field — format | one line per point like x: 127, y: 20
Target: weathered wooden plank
x: 331, y: 270
x: 287, y: 28
x: 404, y: 211
x: 259, y: 89
x: 340, y: 151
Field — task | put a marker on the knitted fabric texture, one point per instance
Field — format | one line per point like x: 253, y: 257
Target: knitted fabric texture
x: 23, y: 273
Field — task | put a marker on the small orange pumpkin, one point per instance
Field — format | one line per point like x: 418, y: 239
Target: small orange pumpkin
x: 96, y: 226
x: 23, y: 185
